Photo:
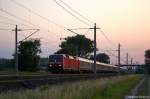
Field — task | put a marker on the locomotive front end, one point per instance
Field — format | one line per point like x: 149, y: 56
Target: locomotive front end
x: 56, y: 63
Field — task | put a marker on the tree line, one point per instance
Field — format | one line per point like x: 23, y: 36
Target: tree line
x: 29, y: 52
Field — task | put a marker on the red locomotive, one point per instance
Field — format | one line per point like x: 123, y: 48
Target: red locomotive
x: 66, y: 63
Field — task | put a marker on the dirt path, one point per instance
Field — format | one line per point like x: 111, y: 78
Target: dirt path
x: 134, y: 91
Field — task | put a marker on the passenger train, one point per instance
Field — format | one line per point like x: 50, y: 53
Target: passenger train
x: 67, y: 63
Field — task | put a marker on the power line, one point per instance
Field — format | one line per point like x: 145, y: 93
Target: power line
x: 5, y: 11
x: 84, y: 18
x: 66, y: 11
x: 30, y: 34
x: 14, y: 21
x: 87, y: 32
x: 4, y: 29
x: 50, y: 21
x: 72, y: 31
x: 44, y: 18
x: 106, y: 37
x: 6, y: 23
x: 71, y: 13
x: 76, y: 12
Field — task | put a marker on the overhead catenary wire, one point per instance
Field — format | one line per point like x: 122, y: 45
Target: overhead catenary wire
x: 37, y: 14
x: 42, y: 17
x: 76, y: 12
x: 68, y: 7
x: 71, y: 13
x: 5, y: 29
x: 22, y: 19
x: 6, y: 23
x: 65, y: 10
x: 106, y: 37
x: 30, y: 35
x: 86, y: 19
x: 15, y: 21
x: 87, y: 32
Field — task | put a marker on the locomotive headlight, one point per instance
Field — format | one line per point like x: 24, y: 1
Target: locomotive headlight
x: 59, y: 65
x: 50, y: 65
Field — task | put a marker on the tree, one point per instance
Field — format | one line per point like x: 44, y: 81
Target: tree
x: 101, y: 57
x: 76, y: 45
x: 28, y: 54
x: 147, y: 60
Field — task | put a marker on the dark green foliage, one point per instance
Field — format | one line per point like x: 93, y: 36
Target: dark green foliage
x: 147, y: 61
x: 101, y: 57
x: 76, y: 45
x: 140, y: 70
x: 6, y: 64
x: 28, y: 55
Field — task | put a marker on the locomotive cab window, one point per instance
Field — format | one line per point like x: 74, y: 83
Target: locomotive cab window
x: 56, y: 58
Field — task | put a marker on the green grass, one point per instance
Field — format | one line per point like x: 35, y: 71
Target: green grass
x: 117, y: 90
x: 12, y: 72
x: 106, y: 88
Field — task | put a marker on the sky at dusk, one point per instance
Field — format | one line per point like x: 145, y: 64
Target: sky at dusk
x: 123, y: 21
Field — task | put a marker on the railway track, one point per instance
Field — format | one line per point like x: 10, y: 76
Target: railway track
x: 23, y: 82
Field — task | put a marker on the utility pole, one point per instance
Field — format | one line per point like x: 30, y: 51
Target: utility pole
x: 131, y: 61
x: 94, y: 67
x: 16, y: 43
x: 127, y: 59
x: 119, y: 54
x: 94, y: 28
x: 95, y: 48
x: 16, y: 48
x: 119, y: 57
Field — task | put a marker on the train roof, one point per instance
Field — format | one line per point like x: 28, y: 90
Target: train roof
x: 85, y: 60
x: 91, y: 61
x: 65, y: 55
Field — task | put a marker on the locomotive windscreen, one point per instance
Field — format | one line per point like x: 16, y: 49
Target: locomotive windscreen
x: 55, y: 58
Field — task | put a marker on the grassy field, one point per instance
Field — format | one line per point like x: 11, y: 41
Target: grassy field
x: 12, y: 72
x: 143, y: 90
x: 106, y: 88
